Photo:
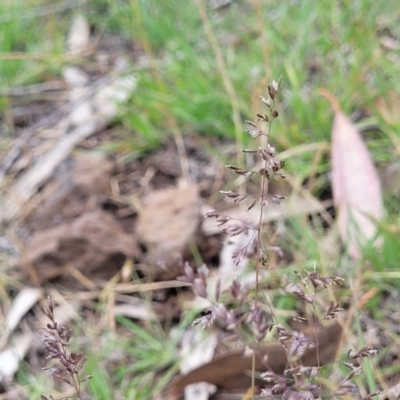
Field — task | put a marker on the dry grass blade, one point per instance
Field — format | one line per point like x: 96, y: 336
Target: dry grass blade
x: 45, y: 122
x: 126, y: 288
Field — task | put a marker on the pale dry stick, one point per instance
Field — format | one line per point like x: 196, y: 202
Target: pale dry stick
x: 28, y: 184
x: 223, y: 70
x: 36, y: 88
x: 24, y: 301
x: 80, y: 277
x: 46, y: 121
x: 171, y: 120
x: 127, y: 288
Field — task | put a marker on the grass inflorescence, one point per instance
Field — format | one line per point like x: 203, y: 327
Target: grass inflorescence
x: 305, y: 354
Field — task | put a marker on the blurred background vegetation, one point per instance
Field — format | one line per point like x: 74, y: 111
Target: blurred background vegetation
x: 201, y: 67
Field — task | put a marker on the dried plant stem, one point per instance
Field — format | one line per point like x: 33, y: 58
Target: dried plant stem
x: 264, y: 191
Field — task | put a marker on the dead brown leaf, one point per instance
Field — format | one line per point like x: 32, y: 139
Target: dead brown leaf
x: 356, y: 187
x: 168, y: 222
x: 93, y: 243
x: 230, y: 371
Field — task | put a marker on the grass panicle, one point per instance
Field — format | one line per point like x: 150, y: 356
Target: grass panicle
x: 68, y: 365
x: 298, y: 381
